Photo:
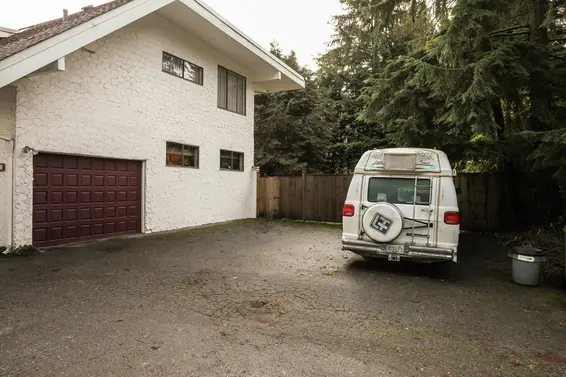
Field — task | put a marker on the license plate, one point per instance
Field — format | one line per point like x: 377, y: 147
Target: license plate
x: 396, y: 249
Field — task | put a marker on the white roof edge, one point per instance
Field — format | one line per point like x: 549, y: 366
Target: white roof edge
x: 267, y: 56
x: 34, y: 57
x: 8, y: 30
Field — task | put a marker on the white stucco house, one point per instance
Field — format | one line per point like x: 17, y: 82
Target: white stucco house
x: 135, y: 116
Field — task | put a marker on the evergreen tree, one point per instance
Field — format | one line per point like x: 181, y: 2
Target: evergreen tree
x: 292, y: 129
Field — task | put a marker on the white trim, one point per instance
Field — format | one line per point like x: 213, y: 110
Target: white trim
x: 258, y: 79
x: 56, y: 66
x: 41, y: 54
x: 223, y: 24
x: 27, y: 61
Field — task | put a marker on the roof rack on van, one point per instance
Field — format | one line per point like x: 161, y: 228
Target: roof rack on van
x: 405, y: 160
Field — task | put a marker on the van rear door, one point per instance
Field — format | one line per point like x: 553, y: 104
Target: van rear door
x: 415, y: 198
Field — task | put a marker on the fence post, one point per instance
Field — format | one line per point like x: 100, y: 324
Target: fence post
x: 257, y: 193
x: 304, y: 195
x: 564, y: 272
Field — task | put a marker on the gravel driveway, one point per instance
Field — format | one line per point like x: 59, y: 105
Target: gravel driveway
x: 271, y: 299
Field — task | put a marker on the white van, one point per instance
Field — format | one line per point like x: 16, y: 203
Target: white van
x: 402, y: 205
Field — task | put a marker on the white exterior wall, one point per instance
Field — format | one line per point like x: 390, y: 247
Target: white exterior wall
x: 7, y: 127
x: 118, y: 103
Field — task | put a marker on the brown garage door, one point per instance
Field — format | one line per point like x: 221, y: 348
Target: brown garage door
x: 81, y: 198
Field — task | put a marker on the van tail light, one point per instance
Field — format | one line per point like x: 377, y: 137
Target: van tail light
x: 452, y: 218
x: 349, y: 210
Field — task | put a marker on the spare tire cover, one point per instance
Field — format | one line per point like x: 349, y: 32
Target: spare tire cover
x: 383, y: 222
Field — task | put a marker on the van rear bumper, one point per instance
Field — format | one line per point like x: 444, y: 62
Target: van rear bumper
x: 414, y: 252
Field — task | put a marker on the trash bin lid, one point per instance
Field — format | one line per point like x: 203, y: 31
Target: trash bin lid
x: 524, y: 250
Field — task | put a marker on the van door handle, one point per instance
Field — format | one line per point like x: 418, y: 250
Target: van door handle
x: 427, y: 210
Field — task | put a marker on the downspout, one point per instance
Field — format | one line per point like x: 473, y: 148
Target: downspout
x: 13, y: 141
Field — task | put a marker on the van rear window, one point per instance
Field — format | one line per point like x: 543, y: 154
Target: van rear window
x: 399, y: 190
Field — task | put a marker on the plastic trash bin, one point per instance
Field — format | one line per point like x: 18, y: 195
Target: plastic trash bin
x: 526, y: 265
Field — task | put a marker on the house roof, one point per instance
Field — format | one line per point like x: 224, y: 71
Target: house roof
x: 37, y: 46
x: 45, y: 30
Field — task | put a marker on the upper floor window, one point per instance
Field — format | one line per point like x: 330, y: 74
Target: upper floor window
x: 182, y: 68
x: 181, y: 155
x: 231, y: 91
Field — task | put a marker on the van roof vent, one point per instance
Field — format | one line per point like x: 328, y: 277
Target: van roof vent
x: 400, y: 161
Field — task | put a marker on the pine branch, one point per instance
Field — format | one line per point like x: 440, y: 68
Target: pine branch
x: 507, y: 30
x: 511, y: 34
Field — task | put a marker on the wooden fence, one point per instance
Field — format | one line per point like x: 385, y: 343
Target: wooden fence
x: 483, y: 200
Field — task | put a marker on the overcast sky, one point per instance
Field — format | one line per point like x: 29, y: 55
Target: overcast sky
x: 301, y: 25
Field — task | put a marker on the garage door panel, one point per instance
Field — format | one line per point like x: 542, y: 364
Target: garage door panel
x: 56, y: 233
x: 122, y: 166
x: 85, y: 213
x: 98, y: 213
x: 40, y: 161
x: 121, y: 226
x: 40, y: 235
x: 40, y: 197
x: 110, y: 165
x: 56, y: 179
x: 86, y: 196
x: 76, y: 198
x: 132, y: 225
x: 40, y: 179
x: 98, y: 164
x: 71, y: 214
x: 110, y: 196
x: 132, y: 196
x: 110, y: 212
x: 55, y: 197
x: 110, y: 227
x: 85, y: 163
x: 122, y: 211
x: 122, y: 181
x: 122, y: 196
x: 53, y: 161
x: 86, y: 180
x: 56, y: 215
x: 71, y: 231
x: 71, y: 162
x: 97, y: 229
x: 39, y: 216
x: 72, y: 180
x: 84, y: 230
x: 98, y: 197
x: 71, y: 197
x: 98, y: 180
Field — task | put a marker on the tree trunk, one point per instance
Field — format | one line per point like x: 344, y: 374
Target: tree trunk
x: 541, y: 98
x: 508, y: 202
x: 499, y: 119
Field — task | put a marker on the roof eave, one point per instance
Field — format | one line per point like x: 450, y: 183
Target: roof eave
x: 34, y: 57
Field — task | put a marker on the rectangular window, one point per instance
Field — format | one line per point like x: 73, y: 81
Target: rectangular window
x: 182, y: 68
x: 399, y: 190
x: 182, y: 155
x: 231, y: 91
x: 231, y: 160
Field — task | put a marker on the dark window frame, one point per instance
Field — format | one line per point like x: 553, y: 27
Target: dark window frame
x: 241, y: 157
x: 182, y: 76
x: 244, y: 94
x: 197, y: 155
